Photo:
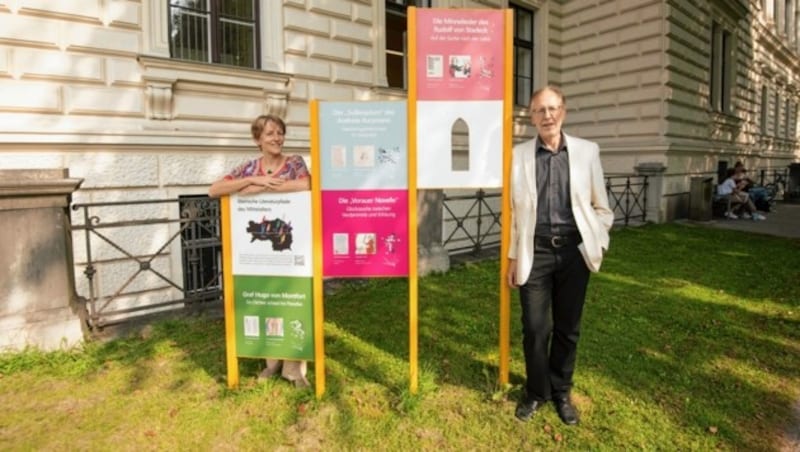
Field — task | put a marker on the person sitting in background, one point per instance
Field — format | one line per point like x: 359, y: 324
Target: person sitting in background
x: 740, y: 200
x: 759, y: 195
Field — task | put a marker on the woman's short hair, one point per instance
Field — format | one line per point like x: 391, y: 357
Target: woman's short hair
x: 258, y: 124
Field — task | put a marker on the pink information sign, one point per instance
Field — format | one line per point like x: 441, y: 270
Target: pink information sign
x: 363, y: 232
x: 459, y: 54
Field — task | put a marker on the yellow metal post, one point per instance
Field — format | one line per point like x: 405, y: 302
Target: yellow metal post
x: 505, y: 215
x: 413, y: 305
x: 316, y: 219
x: 227, y: 284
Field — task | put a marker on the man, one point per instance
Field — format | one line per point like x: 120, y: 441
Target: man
x: 759, y: 195
x: 733, y: 186
x: 560, y: 220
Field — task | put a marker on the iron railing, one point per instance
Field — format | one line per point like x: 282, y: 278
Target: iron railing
x: 145, y: 257
x: 472, y: 222
x: 627, y: 197
x: 775, y: 180
x: 141, y: 258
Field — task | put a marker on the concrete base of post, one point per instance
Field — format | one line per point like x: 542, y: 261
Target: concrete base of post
x: 432, y: 257
x: 433, y: 260
x: 38, y: 305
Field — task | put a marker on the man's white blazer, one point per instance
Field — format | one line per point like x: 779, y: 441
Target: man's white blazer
x: 590, y: 207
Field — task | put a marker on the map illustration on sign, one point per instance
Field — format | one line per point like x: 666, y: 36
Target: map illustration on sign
x: 276, y: 231
x: 271, y: 234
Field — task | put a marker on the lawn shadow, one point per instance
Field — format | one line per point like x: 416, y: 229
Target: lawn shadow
x: 733, y: 262
x: 687, y: 337
x: 455, y: 337
x: 690, y: 321
x: 197, y: 339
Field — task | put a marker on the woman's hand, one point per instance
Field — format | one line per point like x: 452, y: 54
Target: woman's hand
x: 252, y: 189
x: 226, y: 187
x: 268, y: 183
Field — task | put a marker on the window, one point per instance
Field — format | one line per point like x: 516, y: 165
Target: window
x: 769, y: 9
x: 523, y: 54
x: 776, y: 115
x: 764, y: 109
x: 215, y: 31
x: 396, y: 42
x: 782, y: 16
x: 722, y: 68
x: 788, y: 11
x: 788, y: 112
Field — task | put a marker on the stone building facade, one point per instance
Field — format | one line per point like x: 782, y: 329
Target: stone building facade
x: 115, y: 92
x: 92, y: 86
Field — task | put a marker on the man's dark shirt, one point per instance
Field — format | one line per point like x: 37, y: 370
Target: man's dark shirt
x: 554, y: 208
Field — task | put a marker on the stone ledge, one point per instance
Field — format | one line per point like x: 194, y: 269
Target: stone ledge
x: 21, y: 189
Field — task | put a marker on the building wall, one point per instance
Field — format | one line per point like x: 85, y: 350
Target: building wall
x: 637, y: 80
x: 608, y: 58
x: 88, y: 85
x: 776, y: 67
x: 699, y: 136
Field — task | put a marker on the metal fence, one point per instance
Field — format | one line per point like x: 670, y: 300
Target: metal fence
x: 627, y: 197
x: 472, y: 221
x: 775, y: 180
x: 141, y: 258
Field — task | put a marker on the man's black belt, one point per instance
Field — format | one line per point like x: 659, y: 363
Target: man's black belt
x: 556, y: 241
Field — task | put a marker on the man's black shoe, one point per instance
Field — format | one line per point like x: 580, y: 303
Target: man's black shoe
x: 566, y: 410
x: 526, y: 408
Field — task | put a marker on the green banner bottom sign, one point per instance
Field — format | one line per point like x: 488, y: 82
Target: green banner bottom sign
x: 274, y: 317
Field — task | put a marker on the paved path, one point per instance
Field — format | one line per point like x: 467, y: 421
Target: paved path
x: 783, y: 222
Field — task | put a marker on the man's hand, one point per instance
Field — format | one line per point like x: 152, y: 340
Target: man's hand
x: 511, y: 273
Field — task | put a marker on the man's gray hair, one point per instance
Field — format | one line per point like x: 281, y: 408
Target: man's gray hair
x: 551, y: 88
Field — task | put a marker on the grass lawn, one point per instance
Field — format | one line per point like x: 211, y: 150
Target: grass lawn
x: 691, y: 341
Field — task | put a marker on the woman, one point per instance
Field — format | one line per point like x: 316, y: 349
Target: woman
x: 739, y: 198
x: 272, y: 172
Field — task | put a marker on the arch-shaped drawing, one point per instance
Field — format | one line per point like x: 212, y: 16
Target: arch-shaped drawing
x: 459, y: 133
x: 439, y: 138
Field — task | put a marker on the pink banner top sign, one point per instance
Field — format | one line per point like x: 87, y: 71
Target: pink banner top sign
x: 459, y: 54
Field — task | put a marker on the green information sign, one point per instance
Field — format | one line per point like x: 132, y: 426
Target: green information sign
x: 272, y: 304
x: 274, y: 317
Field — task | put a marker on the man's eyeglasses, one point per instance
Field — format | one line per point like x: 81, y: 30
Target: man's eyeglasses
x: 541, y: 112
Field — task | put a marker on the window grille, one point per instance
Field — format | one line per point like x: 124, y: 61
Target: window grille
x: 215, y: 31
